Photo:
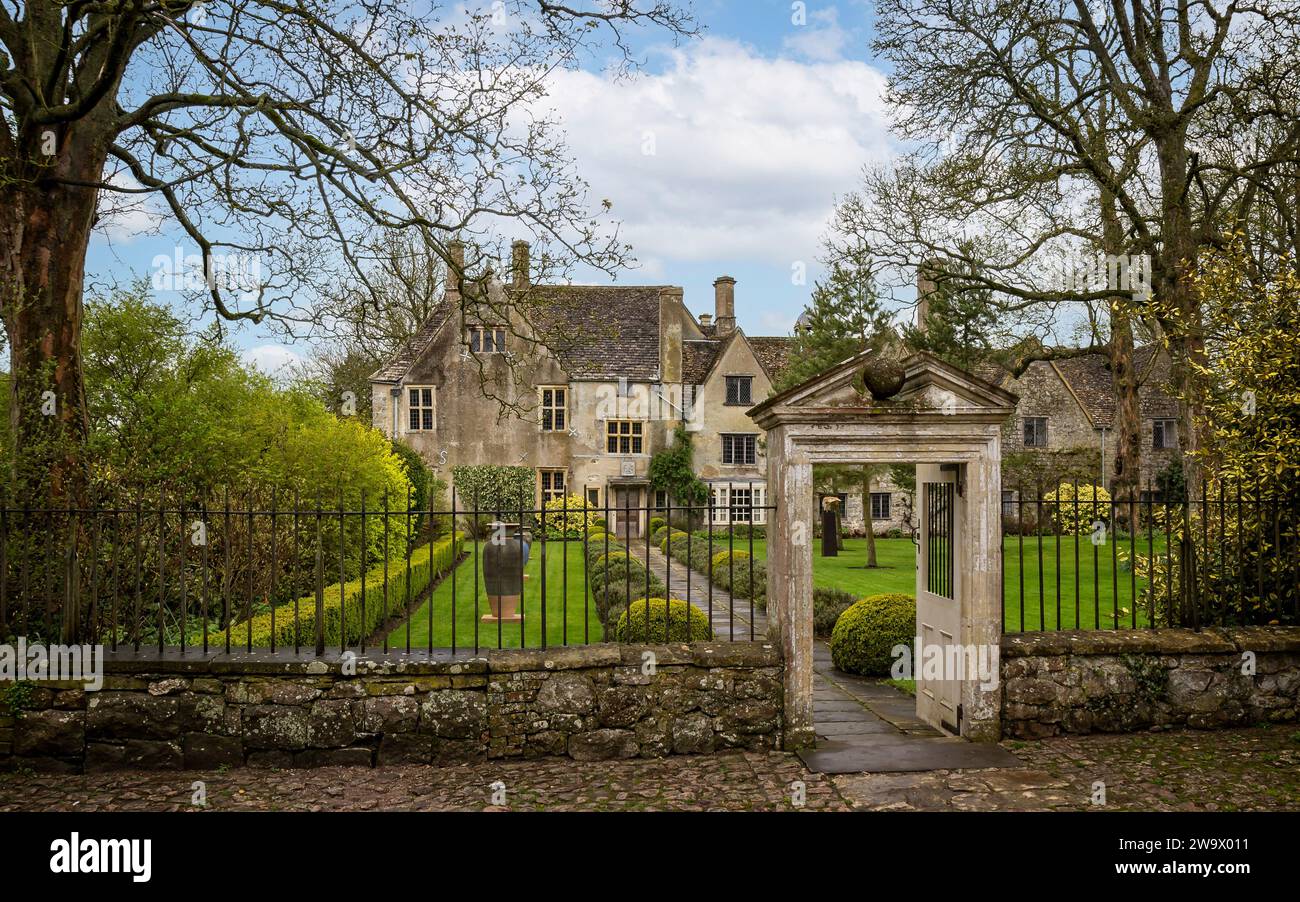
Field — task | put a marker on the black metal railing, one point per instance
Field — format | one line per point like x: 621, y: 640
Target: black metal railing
x: 1077, y: 559
x: 249, y: 574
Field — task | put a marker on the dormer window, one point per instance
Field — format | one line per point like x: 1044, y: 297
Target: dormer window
x: 487, y: 339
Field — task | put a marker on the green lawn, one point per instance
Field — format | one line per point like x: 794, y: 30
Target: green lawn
x: 466, y: 618
x: 1097, y: 597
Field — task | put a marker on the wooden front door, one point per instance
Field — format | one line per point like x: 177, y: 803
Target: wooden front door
x: 627, y: 511
x: 938, y: 597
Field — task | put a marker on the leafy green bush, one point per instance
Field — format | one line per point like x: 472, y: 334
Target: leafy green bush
x: 655, y: 523
x: 670, y: 536
x: 597, y: 549
x: 689, y: 550
x: 663, y: 620
x: 495, y: 489
x: 601, y: 562
x: 1076, y: 513
x: 564, y: 518
x: 864, y: 635
x: 658, y: 535
x: 828, y: 605
x: 622, y: 580
x: 731, y: 571
x: 424, y: 569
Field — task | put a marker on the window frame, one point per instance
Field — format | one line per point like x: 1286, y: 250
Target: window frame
x: 430, y: 408
x: 562, y: 409
x: 1024, y: 430
x: 888, y: 508
x: 634, y: 435
x: 479, y: 331
x: 1164, y: 424
x: 740, y: 379
x: 545, y: 494
x: 727, y: 442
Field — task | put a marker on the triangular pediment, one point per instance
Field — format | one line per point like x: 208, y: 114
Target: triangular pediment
x: 930, y: 387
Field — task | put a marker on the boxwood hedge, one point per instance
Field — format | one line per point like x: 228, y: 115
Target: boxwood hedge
x: 865, y: 634
x: 425, y: 567
x: 663, y: 620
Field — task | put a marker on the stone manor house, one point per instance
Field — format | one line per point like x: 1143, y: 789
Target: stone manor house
x: 584, y: 383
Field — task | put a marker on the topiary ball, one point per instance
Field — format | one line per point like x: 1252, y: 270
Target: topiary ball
x: 662, y: 620
x: 865, y: 634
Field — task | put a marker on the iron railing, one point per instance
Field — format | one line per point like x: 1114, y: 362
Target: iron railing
x: 238, y: 575
x: 1073, y: 560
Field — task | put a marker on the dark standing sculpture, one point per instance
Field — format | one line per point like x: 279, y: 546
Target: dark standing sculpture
x: 504, y: 559
x: 830, y: 527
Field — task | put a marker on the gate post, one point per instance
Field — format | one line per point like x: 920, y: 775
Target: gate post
x: 789, y: 580
x: 982, y: 608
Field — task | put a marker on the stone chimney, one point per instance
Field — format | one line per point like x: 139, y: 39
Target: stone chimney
x: 724, y: 304
x: 671, y: 312
x: 926, y: 274
x: 456, y: 269
x: 519, y: 265
x: 706, y: 320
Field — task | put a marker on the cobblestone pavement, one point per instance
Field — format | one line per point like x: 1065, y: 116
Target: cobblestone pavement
x: 1257, y: 768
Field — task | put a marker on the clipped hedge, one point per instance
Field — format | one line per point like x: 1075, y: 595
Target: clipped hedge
x: 828, y: 605
x: 864, y: 635
x: 655, y: 523
x: 667, y: 538
x: 619, y: 583
x: 731, y: 571
x: 601, y: 562
x: 660, y: 620
x: 657, y: 536
x: 689, y: 550
x: 425, y: 567
x: 597, y: 549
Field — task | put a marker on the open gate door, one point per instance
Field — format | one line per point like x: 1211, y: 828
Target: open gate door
x: 938, y: 596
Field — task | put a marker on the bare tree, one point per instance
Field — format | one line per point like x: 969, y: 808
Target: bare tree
x: 277, y: 132
x: 1129, y: 102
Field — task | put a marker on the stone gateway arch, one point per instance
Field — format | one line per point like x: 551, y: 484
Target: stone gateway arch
x: 948, y: 423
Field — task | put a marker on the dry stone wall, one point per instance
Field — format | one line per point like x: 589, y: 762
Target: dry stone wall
x: 1127, y: 680
x: 589, y: 702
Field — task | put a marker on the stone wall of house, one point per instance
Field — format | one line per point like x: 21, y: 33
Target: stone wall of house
x: 586, y: 702
x: 1128, y: 680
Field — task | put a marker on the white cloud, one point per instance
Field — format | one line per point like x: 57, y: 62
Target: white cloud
x: 271, y: 359
x: 725, y: 155
x: 821, y: 39
x: 123, y: 217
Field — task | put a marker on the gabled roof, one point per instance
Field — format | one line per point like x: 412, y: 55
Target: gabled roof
x: 410, y: 353
x: 1088, y: 378
x: 600, y: 331
x: 773, y: 352
x: 698, y: 357
x: 931, y: 388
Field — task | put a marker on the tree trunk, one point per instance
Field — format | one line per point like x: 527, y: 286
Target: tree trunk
x: 1126, y: 469
x: 866, y: 516
x: 47, y: 210
x: 44, y: 231
x: 1181, y: 318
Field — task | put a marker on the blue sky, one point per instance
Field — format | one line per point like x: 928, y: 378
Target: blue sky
x: 753, y: 129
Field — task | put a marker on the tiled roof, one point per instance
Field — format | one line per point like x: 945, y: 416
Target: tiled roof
x: 698, y: 356
x: 599, y: 330
x: 400, y: 363
x: 1089, y: 378
x: 773, y: 352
